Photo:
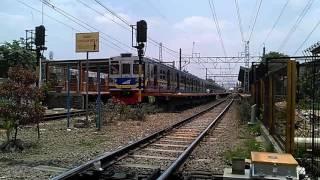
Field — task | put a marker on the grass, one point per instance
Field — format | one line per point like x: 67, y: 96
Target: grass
x: 254, y: 129
x: 243, y: 151
x: 247, y: 135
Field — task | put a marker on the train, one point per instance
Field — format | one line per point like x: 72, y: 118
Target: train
x: 158, y: 79
x: 119, y: 78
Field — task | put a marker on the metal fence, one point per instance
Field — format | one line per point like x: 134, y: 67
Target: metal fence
x: 287, y: 94
x: 307, y: 124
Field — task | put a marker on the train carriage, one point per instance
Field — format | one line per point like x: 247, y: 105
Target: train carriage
x: 157, y: 79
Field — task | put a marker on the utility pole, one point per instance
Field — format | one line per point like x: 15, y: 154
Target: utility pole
x: 246, y: 64
x: 160, y: 52
x: 180, y: 59
x: 206, y: 73
x: 193, y: 43
x: 87, y: 87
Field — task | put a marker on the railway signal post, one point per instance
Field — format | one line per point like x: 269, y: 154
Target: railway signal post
x: 141, y: 38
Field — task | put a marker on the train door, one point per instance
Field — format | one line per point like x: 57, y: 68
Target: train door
x: 168, y: 80
x: 155, y: 71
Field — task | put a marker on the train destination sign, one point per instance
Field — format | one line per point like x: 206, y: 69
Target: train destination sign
x: 87, y: 42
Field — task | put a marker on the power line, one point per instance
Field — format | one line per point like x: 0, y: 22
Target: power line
x: 215, y: 19
x: 255, y: 20
x: 154, y: 42
x: 58, y: 21
x: 296, y: 24
x: 113, y: 13
x: 158, y: 10
x: 98, y: 12
x: 309, y: 35
x: 276, y: 22
x: 239, y: 20
x: 83, y: 24
x: 25, y: 4
x: 252, y: 14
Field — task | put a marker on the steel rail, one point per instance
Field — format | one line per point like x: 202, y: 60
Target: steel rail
x: 108, y: 157
x: 183, y: 157
x: 49, y: 117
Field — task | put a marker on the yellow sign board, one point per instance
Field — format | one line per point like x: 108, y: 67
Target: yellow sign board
x: 87, y: 42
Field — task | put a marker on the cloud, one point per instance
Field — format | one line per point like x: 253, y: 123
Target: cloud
x: 12, y: 19
x: 199, y: 24
x: 195, y: 24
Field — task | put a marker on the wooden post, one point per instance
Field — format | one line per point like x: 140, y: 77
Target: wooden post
x: 81, y: 76
x: 291, y: 99
x: 261, y: 91
x: 271, y: 106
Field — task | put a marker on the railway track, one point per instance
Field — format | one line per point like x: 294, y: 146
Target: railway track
x: 157, y: 156
x: 49, y: 117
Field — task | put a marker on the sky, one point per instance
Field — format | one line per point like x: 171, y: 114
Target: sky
x: 185, y: 24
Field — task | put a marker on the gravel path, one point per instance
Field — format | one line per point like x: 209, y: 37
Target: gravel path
x: 59, y: 147
x: 209, y: 155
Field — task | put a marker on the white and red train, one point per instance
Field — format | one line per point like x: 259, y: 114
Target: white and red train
x: 158, y: 79
x: 120, y: 78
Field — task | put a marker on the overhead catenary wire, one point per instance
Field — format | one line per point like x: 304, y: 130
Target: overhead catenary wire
x: 239, y: 20
x: 215, y: 19
x: 84, y: 24
x: 255, y: 20
x: 253, y: 14
x: 158, y: 11
x: 152, y: 41
x: 65, y: 24
x: 100, y: 13
x: 296, y: 24
x: 276, y: 22
x: 308, y: 36
x: 127, y: 27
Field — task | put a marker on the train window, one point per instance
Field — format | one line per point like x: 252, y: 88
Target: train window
x: 162, y: 74
x: 114, y: 69
x: 126, y: 69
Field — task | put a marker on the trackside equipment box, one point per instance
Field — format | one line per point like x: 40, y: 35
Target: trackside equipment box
x: 273, y: 165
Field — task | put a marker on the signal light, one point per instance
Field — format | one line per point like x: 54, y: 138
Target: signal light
x: 40, y: 35
x: 141, y: 31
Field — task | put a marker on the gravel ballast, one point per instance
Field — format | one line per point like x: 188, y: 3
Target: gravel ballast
x: 63, y: 148
x: 208, y: 156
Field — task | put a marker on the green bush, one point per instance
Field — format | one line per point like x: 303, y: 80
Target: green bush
x: 255, y: 129
x: 244, y: 151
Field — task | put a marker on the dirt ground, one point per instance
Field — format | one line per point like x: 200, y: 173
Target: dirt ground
x: 60, y: 148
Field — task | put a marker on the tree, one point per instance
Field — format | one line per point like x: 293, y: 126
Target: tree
x: 20, y: 99
x: 15, y: 54
x: 20, y: 103
x: 273, y: 54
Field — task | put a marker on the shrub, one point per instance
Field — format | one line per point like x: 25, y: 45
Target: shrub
x: 20, y: 103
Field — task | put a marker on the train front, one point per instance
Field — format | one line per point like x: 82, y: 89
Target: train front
x: 124, y: 79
